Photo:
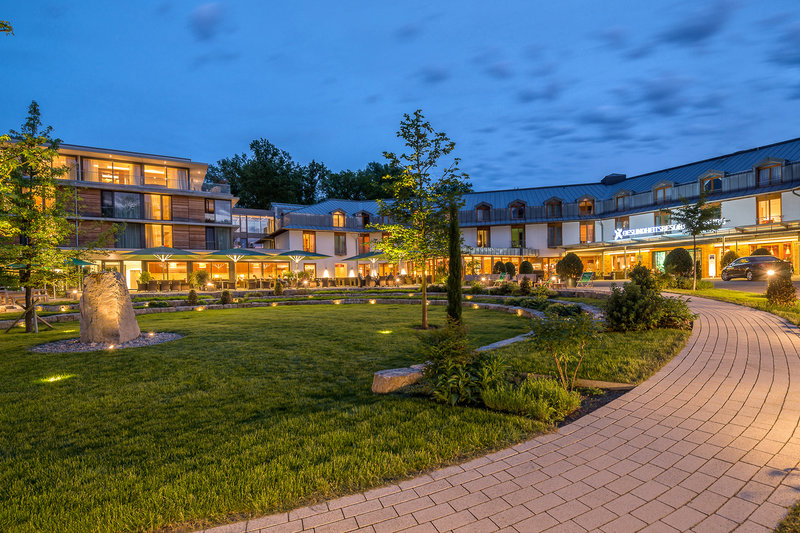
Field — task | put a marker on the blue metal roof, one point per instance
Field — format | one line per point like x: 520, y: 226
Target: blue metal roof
x: 349, y: 207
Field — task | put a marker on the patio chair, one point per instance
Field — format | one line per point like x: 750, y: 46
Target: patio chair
x: 587, y: 280
x: 175, y: 285
x: 185, y: 286
x: 152, y: 285
x: 163, y: 285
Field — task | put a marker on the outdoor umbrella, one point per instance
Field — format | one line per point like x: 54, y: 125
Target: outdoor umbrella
x: 299, y: 255
x: 239, y: 254
x: 373, y: 257
x: 162, y: 253
x: 78, y: 262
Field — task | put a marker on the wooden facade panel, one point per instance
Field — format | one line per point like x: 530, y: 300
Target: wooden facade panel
x: 197, y: 210
x: 90, y: 231
x: 180, y: 208
x: 89, y: 202
x: 180, y: 236
x: 197, y: 237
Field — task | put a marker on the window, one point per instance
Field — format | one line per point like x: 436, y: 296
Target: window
x: 116, y: 172
x: 586, y: 207
x: 157, y: 207
x: 340, y: 243
x: 155, y: 176
x: 363, y: 243
x: 157, y: 235
x: 211, y: 240
x: 711, y: 184
x: 338, y: 219
x: 518, y: 236
x: 622, y: 202
x: 553, y: 209
x: 210, y: 210
x: 587, y: 232
x: 661, y: 194
x: 483, y: 238
x: 129, y: 236
x: 310, y: 269
x: 482, y: 213
x: 309, y: 241
x: 340, y: 270
x: 363, y: 219
x: 769, y: 208
x: 120, y: 204
x: 222, y: 210
x: 769, y: 175
x: 518, y: 211
x: 662, y: 218
x: 553, y: 235
x: 622, y: 223
x: 69, y: 161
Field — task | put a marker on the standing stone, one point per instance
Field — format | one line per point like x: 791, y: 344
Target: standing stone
x: 106, y: 310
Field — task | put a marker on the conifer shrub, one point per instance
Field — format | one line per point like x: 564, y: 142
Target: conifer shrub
x: 570, y: 266
x: 678, y: 262
x: 226, y: 298
x: 192, y: 299
x: 510, y: 269
x: 781, y: 291
x: 728, y: 257
x: 761, y: 251
x: 499, y: 268
x: 526, y: 267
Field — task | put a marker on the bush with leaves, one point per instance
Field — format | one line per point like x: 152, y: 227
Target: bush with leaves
x: 158, y: 303
x: 727, y: 258
x: 675, y: 314
x: 191, y: 299
x: 499, y: 268
x: 526, y: 267
x: 570, y: 266
x: 226, y: 298
x: 525, y: 286
x: 144, y: 277
x: 781, y: 291
x: 542, y: 399
x: 511, y: 270
x: 437, y: 288
x: 761, y: 251
x: 476, y: 288
x: 198, y: 279
x: 678, y: 262
x: 456, y: 373
x: 565, y: 339
x: 505, y: 288
x: 564, y: 310
x: 278, y: 289
x: 538, y: 303
x: 543, y: 292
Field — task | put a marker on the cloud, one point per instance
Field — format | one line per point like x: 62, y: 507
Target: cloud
x: 408, y: 32
x: 613, y: 122
x: 787, y: 52
x: 699, y: 26
x: 207, y: 21
x: 493, y: 63
x: 548, y: 91
x: 615, y: 38
x: 218, y: 56
x: 432, y: 75
x: 664, y: 95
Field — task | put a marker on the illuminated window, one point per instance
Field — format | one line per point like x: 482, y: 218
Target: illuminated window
x: 661, y: 194
x: 483, y: 238
x: 553, y: 209
x: 363, y: 243
x: 309, y: 241
x: 622, y: 202
x: 587, y: 232
x: 769, y: 175
x: 711, y: 184
x: 157, y: 207
x: 157, y: 235
x: 586, y: 207
x: 769, y: 208
x: 518, y: 236
x: 622, y: 223
x: 116, y: 172
x: 553, y: 235
x: 338, y: 219
x: 340, y: 243
x: 69, y: 161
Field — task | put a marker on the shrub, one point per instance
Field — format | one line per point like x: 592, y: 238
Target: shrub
x: 505, y: 288
x: 675, y: 314
x: 543, y: 292
x: 678, y: 262
x: 526, y: 267
x: 456, y: 373
x: 499, y: 268
x: 631, y: 309
x: 158, y: 303
x: 681, y: 282
x: 278, y: 290
x: 255, y: 295
x: 226, y: 298
x: 511, y: 270
x: 761, y: 251
x: 641, y: 276
x: 539, y: 398
x: 525, y: 285
x: 145, y: 276
x: 563, y: 310
x: 191, y: 299
x: 436, y: 288
x: 537, y: 303
x: 565, y: 339
x: 781, y: 291
x: 476, y: 288
x: 198, y: 279
x: 728, y: 257
x: 570, y: 266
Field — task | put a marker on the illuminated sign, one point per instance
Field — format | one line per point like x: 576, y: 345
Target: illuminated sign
x: 652, y: 230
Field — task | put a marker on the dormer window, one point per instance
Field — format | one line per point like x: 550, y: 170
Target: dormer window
x: 661, y: 194
x: 363, y: 219
x: 623, y: 202
x: 711, y: 183
x: 769, y: 175
x: 482, y: 213
x: 338, y: 219
x: 586, y: 207
x: 517, y: 210
x: 553, y: 209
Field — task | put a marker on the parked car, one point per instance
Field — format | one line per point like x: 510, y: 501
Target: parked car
x: 756, y: 266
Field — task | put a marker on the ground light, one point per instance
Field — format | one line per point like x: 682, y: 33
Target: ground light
x: 57, y: 377
x: 372, y: 301
x: 475, y: 306
x: 385, y: 331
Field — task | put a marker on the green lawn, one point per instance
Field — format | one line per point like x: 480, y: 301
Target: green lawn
x: 254, y: 411
x: 749, y: 299
x: 790, y: 524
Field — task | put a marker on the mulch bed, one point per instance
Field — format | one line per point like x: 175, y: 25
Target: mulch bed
x: 75, y: 345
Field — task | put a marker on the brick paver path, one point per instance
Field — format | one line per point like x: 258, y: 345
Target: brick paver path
x: 710, y: 443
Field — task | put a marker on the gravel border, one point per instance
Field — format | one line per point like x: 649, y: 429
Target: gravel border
x: 75, y: 345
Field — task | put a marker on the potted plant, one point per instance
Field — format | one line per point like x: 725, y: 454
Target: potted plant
x: 144, y: 278
x: 570, y: 268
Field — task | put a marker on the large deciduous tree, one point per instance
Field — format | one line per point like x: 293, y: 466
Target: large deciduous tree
x: 421, y: 197
x: 33, y: 218
x: 363, y: 184
x: 697, y: 218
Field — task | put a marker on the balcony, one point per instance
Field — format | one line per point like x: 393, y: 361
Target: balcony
x: 511, y: 252
x: 182, y: 183
x: 320, y: 222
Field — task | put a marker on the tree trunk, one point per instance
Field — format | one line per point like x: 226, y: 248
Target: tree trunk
x: 29, y: 318
x: 424, y: 294
x: 454, y: 268
x: 694, y: 263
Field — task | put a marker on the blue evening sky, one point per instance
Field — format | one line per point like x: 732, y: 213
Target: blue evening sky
x: 533, y: 93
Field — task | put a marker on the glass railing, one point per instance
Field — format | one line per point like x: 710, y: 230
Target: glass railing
x: 166, y: 182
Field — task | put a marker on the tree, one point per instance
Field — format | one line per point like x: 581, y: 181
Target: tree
x: 454, y: 271
x: 526, y: 267
x: 369, y: 183
x: 697, y: 218
x: 5, y: 27
x: 570, y: 266
x: 728, y: 257
x: 34, y: 217
x: 678, y: 262
x: 420, y: 200
x: 761, y: 251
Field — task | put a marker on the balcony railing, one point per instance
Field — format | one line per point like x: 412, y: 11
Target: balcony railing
x: 307, y: 220
x: 148, y: 181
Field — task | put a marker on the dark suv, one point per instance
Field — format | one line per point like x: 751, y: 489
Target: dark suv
x: 756, y: 266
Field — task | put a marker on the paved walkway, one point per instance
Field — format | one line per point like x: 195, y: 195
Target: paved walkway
x: 710, y: 443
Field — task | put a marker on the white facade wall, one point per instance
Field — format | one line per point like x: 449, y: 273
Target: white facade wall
x: 739, y: 212
x: 536, y: 237
x: 790, y: 206
x: 570, y: 233
x: 641, y: 220
x: 500, y: 236
x: 470, y: 236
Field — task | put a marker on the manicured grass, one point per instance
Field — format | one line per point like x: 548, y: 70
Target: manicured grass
x: 748, y: 299
x: 790, y: 524
x: 597, y: 302
x: 619, y: 357
x: 254, y: 411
